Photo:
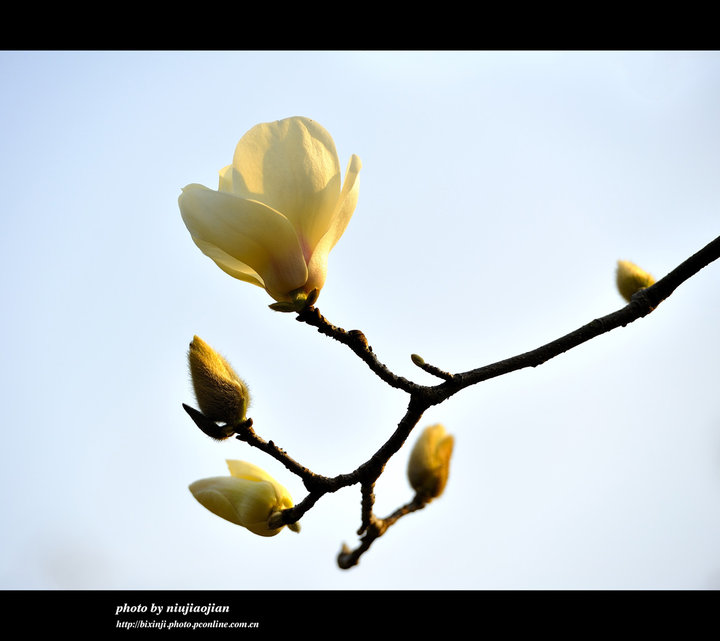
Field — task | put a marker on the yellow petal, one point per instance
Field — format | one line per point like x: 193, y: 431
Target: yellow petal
x: 317, y: 266
x: 247, y: 231
x: 292, y: 166
x: 243, y: 502
x: 250, y: 472
x: 255, y: 505
x: 230, y: 265
x: 217, y: 494
x: 247, y: 471
x: 226, y: 180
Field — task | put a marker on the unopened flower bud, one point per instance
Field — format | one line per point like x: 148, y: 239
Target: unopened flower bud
x: 249, y: 497
x: 221, y: 394
x: 631, y: 279
x: 429, y: 464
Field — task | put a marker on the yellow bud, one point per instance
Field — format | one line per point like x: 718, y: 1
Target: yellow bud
x: 429, y: 464
x: 249, y: 497
x: 221, y: 394
x: 631, y: 279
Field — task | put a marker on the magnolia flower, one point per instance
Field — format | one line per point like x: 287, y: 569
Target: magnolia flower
x: 631, y: 279
x: 221, y: 394
x: 249, y: 497
x: 429, y: 464
x: 278, y: 211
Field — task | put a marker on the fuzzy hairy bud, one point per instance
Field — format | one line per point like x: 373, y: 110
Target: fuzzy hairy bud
x: 221, y: 394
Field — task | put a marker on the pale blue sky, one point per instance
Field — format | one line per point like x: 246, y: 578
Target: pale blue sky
x: 498, y: 190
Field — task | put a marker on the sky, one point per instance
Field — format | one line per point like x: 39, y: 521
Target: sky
x: 497, y: 192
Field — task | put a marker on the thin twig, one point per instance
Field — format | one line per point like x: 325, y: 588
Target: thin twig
x: 357, y: 342
x: 375, y: 529
x: 430, y: 369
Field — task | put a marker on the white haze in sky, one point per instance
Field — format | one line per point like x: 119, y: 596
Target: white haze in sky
x: 498, y: 190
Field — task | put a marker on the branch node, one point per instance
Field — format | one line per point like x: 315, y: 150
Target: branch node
x: 359, y: 338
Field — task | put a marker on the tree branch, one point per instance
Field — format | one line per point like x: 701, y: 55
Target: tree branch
x: 423, y: 396
x: 641, y: 304
x: 357, y: 342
